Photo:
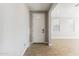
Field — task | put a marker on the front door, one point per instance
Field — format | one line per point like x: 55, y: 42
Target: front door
x: 38, y: 27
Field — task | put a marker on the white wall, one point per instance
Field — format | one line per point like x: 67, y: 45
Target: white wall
x: 49, y: 20
x: 14, y: 29
x: 65, y: 11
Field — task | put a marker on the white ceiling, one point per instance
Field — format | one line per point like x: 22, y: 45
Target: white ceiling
x: 39, y: 6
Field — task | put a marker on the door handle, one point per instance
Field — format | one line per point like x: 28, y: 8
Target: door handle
x: 43, y: 30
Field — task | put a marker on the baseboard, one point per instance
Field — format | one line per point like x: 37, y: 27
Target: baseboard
x: 65, y: 38
x: 25, y: 50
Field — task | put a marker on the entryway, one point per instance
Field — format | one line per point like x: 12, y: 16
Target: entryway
x: 39, y: 27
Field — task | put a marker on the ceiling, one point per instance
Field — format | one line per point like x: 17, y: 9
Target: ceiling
x: 39, y: 6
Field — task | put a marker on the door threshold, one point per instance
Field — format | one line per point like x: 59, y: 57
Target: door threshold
x: 40, y: 43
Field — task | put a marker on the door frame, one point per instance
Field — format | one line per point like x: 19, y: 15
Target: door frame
x: 46, y: 26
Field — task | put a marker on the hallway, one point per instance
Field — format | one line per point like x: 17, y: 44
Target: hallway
x: 62, y: 32
x: 24, y: 26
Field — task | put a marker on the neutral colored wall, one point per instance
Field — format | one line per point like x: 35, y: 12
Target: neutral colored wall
x: 49, y: 23
x: 65, y: 43
x: 14, y: 29
x: 65, y: 11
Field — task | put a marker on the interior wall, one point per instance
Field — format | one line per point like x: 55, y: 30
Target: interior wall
x: 14, y: 28
x: 49, y: 23
x: 66, y: 43
x: 65, y: 11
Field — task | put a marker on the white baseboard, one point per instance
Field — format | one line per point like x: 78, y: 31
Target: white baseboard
x: 41, y: 42
x: 65, y: 38
x: 25, y: 50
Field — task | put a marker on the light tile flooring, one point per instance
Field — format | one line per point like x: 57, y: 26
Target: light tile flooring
x: 59, y: 48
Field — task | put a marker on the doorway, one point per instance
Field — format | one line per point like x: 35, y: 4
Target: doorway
x: 39, y: 27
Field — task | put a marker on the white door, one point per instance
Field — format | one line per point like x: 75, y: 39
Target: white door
x: 38, y: 27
